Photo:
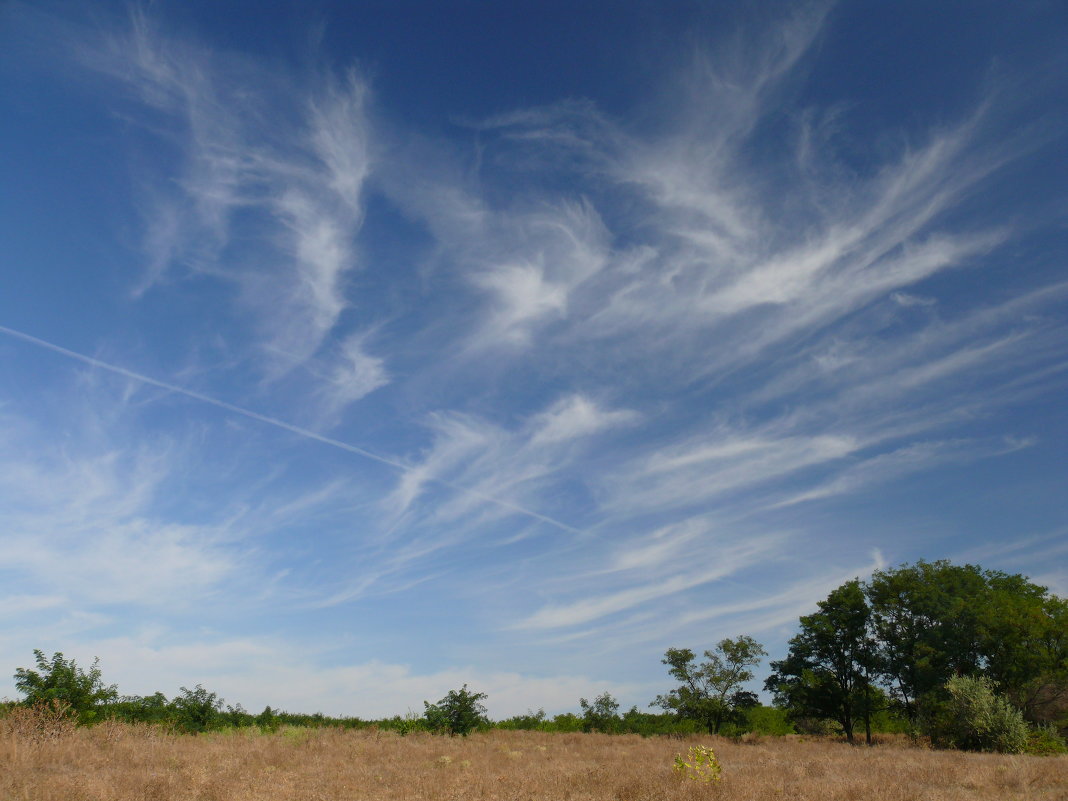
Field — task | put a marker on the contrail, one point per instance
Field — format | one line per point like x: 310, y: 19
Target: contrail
x: 282, y: 424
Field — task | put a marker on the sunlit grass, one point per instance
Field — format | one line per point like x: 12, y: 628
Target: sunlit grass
x: 119, y: 762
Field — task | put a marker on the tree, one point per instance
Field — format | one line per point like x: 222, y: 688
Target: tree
x: 602, y: 715
x: 827, y: 673
x: 267, y: 720
x: 61, y: 679
x: 935, y: 620
x: 459, y: 712
x: 705, y: 692
x: 196, y: 710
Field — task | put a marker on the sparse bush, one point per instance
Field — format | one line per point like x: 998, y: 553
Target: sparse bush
x: 703, y: 765
x: 41, y: 722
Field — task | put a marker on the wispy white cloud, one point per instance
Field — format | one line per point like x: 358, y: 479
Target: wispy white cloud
x: 894, y: 464
x: 728, y: 560
x: 298, y: 186
x: 82, y: 524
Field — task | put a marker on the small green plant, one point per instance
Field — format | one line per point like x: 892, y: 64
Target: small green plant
x: 702, y: 767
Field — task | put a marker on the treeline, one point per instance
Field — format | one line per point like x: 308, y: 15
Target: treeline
x: 970, y: 658
x: 83, y: 695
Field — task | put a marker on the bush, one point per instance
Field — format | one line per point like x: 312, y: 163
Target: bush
x: 703, y: 765
x: 459, y: 712
x: 976, y: 718
x: 196, y: 710
x: 61, y: 679
x: 1045, y: 741
x: 39, y: 722
x: 601, y: 715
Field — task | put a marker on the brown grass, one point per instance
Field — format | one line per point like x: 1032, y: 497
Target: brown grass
x: 117, y: 762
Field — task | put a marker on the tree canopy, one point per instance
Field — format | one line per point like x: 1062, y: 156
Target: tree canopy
x: 707, y: 690
x: 909, y: 631
x: 60, y: 679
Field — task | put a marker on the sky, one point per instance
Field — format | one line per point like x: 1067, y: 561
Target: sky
x: 351, y: 352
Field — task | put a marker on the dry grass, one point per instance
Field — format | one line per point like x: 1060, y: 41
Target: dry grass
x: 116, y: 762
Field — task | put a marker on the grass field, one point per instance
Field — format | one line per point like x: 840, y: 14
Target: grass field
x: 118, y: 762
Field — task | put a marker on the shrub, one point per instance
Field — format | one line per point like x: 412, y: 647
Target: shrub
x: 1045, y: 741
x: 268, y: 721
x: 976, y: 718
x: 40, y: 722
x: 600, y: 715
x: 60, y: 679
x: 459, y: 712
x: 196, y: 710
x: 703, y: 765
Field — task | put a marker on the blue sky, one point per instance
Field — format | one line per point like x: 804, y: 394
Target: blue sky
x: 352, y: 352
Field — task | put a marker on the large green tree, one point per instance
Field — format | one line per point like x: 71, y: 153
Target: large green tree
x: 60, y: 679
x: 909, y: 630
x: 827, y: 673
x: 708, y: 690
x: 936, y: 620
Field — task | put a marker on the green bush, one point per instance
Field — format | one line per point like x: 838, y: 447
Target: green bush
x: 197, y: 710
x: 459, y: 712
x: 602, y: 714
x: 1045, y: 741
x: 60, y: 679
x: 975, y: 718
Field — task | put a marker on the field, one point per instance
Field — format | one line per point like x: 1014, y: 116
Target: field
x: 118, y: 762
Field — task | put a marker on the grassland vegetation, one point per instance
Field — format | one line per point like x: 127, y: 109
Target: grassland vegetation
x: 115, y: 761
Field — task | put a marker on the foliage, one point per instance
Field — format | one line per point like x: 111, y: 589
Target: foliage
x: 761, y: 719
x: 827, y: 673
x: 703, y: 765
x: 267, y: 720
x: 459, y: 712
x: 1045, y: 741
x: 61, y: 679
x: 976, y: 718
x: 936, y: 620
x: 531, y: 721
x: 141, y: 709
x: 881, y: 652
x: 196, y: 710
x: 705, y: 692
x: 602, y: 715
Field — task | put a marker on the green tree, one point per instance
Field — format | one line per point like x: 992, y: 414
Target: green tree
x: 196, y: 710
x: 61, y: 679
x: 705, y: 690
x: 827, y: 672
x: 267, y: 720
x: 602, y: 715
x: 459, y: 712
x: 935, y: 620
